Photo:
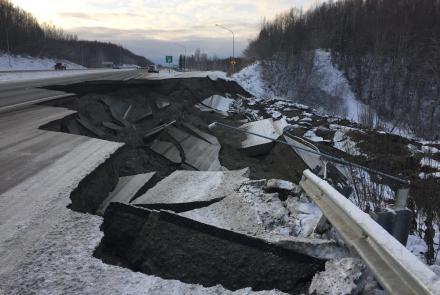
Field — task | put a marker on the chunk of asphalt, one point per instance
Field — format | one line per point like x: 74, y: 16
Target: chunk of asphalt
x: 166, y: 149
x: 118, y: 109
x: 186, y: 190
x: 254, y: 145
x: 125, y: 190
x: 199, y: 153
x: 218, y: 102
x: 112, y: 126
x: 84, y: 122
x: 157, y: 129
x: 173, y: 247
x: 139, y: 114
x: 162, y: 103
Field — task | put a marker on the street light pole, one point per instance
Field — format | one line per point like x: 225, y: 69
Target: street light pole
x: 233, y: 45
x: 184, y: 62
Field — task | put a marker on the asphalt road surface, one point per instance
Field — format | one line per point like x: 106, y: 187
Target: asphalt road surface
x: 21, y: 93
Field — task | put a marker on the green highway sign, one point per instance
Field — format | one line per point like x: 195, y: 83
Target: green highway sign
x: 169, y: 59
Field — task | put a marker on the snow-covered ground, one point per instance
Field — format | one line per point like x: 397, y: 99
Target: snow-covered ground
x: 25, y: 63
x: 331, y: 81
x: 6, y: 77
x: 335, y: 83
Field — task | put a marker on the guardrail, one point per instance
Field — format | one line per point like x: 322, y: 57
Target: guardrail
x: 396, y: 269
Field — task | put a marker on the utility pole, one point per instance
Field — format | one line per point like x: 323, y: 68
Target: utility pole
x: 7, y: 44
x: 184, y: 60
x: 82, y: 54
x: 233, y: 45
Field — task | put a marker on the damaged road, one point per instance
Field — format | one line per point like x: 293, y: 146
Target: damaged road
x: 195, y: 207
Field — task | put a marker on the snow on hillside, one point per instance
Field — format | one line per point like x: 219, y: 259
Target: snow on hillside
x: 333, y: 82
x: 21, y: 63
x: 250, y: 80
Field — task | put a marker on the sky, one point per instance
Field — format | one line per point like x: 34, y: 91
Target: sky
x: 155, y: 28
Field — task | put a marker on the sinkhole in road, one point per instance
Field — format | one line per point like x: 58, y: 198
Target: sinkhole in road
x: 158, y: 242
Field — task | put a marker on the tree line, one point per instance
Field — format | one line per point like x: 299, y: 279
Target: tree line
x: 21, y: 33
x: 389, y: 50
x: 200, y: 61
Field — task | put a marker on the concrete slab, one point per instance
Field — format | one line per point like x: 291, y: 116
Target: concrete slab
x: 183, y: 188
x: 255, y: 145
x: 167, y: 150
x: 125, y: 190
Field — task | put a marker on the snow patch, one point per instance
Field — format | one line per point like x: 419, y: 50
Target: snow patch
x: 24, y: 63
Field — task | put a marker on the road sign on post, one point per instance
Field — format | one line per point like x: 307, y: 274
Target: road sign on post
x: 169, y: 59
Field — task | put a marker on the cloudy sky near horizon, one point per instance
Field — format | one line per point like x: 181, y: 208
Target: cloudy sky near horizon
x: 153, y: 27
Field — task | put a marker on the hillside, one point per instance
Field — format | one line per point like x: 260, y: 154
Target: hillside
x: 388, y: 51
x: 28, y: 37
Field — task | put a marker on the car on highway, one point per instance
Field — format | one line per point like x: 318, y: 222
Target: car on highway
x: 153, y: 69
x: 59, y: 66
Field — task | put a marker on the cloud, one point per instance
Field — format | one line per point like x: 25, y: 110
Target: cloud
x: 150, y: 27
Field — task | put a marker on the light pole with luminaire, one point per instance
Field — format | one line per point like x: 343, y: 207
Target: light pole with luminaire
x: 7, y: 44
x: 233, y: 45
x: 184, y: 61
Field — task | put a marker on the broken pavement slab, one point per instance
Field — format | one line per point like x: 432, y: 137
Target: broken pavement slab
x: 216, y: 103
x: 157, y: 129
x: 118, y: 109
x: 84, y: 122
x: 183, y: 190
x: 174, y: 247
x: 112, y: 126
x: 162, y: 103
x: 167, y: 150
x: 199, y: 150
x: 125, y: 190
x: 254, y: 145
x: 310, y: 159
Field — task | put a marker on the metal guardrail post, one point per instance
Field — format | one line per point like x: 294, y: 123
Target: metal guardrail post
x: 394, y: 267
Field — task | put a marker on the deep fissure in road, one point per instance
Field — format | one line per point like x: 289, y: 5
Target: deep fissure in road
x: 138, y: 113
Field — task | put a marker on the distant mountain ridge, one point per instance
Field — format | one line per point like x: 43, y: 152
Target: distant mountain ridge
x: 28, y: 37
